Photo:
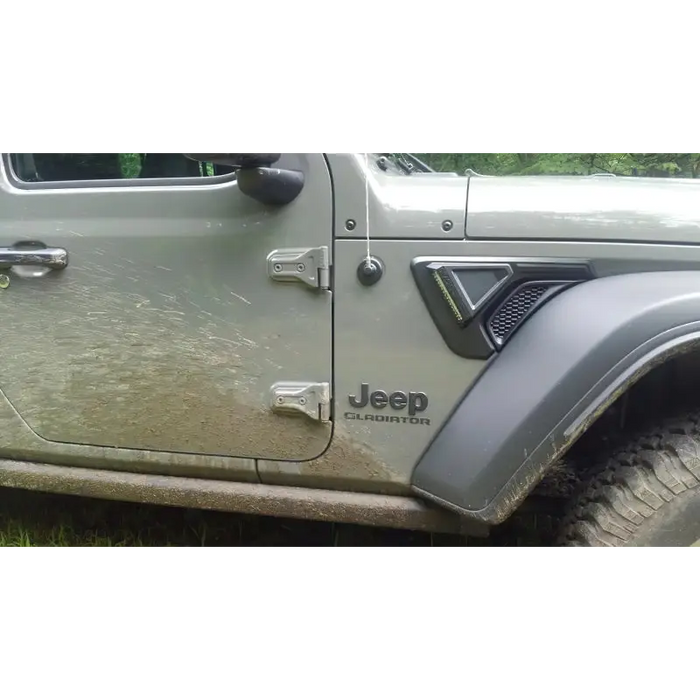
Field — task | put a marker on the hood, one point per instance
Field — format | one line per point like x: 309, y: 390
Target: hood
x: 646, y: 210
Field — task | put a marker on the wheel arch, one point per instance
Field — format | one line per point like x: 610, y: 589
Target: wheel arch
x: 560, y: 373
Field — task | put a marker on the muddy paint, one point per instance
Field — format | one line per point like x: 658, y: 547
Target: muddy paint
x: 140, y: 391
x: 151, y: 371
x: 254, y: 499
x: 160, y: 340
x: 346, y: 464
x: 21, y: 443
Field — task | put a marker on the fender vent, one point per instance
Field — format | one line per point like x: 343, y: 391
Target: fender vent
x: 518, y: 306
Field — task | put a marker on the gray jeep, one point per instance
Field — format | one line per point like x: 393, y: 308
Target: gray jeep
x: 354, y: 338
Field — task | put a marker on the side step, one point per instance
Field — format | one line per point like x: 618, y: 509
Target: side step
x: 403, y: 513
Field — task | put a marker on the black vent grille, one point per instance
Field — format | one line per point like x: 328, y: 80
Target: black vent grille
x: 514, y: 311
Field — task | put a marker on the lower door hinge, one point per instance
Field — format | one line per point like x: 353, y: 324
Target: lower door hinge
x: 313, y: 400
x: 311, y: 266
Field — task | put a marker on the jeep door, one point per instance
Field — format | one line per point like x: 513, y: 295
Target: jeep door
x: 166, y: 330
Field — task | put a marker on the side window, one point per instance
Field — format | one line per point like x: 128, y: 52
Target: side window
x: 69, y: 167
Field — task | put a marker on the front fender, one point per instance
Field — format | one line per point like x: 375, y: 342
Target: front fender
x: 564, y: 366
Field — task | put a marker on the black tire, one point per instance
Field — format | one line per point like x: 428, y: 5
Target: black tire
x: 644, y: 495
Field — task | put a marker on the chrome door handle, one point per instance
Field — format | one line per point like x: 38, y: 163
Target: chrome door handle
x: 53, y: 258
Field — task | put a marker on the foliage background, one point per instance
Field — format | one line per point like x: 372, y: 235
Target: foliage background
x: 641, y: 164
x: 683, y: 164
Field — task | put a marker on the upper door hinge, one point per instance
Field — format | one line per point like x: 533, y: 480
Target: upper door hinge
x: 311, y: 399
x: 310, y: 266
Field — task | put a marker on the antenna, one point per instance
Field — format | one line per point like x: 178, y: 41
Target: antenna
x: 369, y: 241
x: 371, y: 269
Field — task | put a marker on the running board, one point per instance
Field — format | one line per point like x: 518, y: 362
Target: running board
x: 398, y: 512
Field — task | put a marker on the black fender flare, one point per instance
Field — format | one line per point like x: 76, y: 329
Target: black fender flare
x: 568, y: 363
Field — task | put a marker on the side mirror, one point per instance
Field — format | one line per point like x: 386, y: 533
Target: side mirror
x: 255, y: 177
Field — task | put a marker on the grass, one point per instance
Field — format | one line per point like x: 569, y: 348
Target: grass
x: 30, y: 519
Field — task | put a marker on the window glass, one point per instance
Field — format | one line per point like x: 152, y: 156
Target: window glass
x: 67, y: 167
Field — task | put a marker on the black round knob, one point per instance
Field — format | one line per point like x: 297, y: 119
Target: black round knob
x: 370, y: 271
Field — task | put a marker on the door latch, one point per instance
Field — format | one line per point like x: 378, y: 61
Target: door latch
x: 311, y: 266
x: 311, y: 399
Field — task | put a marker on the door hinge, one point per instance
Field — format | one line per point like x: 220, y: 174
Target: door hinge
x: 308, y: 265
x: 311, y: 399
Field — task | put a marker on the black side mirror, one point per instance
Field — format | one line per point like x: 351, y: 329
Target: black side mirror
x: 255, y: 177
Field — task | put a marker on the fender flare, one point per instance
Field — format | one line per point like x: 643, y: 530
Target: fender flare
x: 567, y: 364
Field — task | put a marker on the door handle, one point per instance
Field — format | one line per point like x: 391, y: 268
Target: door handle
x: 53, y: 258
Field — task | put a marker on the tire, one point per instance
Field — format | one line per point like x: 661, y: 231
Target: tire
x: 644, y: 495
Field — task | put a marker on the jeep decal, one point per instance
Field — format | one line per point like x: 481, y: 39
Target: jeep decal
x: 412, y: 403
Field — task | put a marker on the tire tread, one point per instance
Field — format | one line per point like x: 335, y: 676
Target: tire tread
x: 634, y: 484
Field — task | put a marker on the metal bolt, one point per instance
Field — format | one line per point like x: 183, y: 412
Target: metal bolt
x: 4, y: 281
x: 302, y: 401
x: 350, y: 225
x: 447, y: 225
x: 301, y: 267
x: 278, y: 268
x: 280, y: 399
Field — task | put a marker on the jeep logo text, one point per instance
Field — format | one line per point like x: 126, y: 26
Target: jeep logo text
x: 414, y: 401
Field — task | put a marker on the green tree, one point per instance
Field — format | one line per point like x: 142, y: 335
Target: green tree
x: 686, y: 165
